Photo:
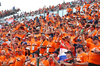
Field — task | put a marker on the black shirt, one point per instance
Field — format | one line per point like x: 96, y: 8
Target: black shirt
x: 68, y: 61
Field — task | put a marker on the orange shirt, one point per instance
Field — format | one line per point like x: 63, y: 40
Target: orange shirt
x: 33, y: 61
x: 85, y: 7
x: 47, y: 17
x: 52, y: 62
x: 77, y: 8
x: 29, y: 43
x: 69, y: 10
x: 57, y: 44
x: 93, y: 57
x: 21, y: 60
x: 2, y: 58
x: 42, y: 50
x: 23, y: 51
x: 94, y: 33
x: 83, y: 58
x: 72, y: 38
x: 53, y: 45
x: 12, y: 60
x: 7, y: 60
x: 21, y: 36
x: 95, y: 4
x: 88, y: 17
x: 35, y: 47
x: 45, y: 63
x: 89, y: 40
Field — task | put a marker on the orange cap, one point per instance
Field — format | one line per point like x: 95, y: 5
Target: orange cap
x: 64, y: 35
x: 3, y: 29
x: 18, y: 49
x: 57, y: 31
x: 38, y: 35
x: 45, y: 54
x: 4, y: 44
x: 8, y: 53
x: 22, y: 24
x: 85, y: 2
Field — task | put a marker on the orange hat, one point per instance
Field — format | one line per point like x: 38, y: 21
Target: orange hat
x: 8, y: 54
x: 22, y: 24
x: 47, y: 36
x: 3, y: 29
x: 74, y: 30
x: 18, y: 49
x: 8, y: 46
x: 4, y: 44
x: 64, y: 35
x: 38, y: 35
x: 6, y: 39
x: 16, y: 28
x: 57, y: 31
x: 45, y: 54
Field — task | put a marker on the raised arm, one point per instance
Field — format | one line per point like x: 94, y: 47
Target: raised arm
x: 83, y: 40
x: 55, y: 61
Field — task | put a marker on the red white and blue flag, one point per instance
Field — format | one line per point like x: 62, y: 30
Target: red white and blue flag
x: 62, y: 55
x: 10, y: 20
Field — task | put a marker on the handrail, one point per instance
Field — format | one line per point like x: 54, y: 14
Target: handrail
x: 39, y: 59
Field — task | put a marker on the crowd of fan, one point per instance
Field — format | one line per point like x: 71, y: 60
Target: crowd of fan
x: 59, y: 6
x: 5, y: 13
x: 22, y: 43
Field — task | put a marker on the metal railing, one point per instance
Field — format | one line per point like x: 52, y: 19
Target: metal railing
x: 39, y: 59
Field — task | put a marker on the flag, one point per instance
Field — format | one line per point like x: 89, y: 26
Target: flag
x: 62, y: 55
x: 10, y: 20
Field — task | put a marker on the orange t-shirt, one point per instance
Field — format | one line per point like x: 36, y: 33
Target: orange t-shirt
x: 85, y: 7
x: 94, y: 33
x: 53, y: 46
x: 45, y: 63
x: 42, y: 50
x: 13, y: 60
x: 52, y: 62
x: 2, y: 58
x: 20, y: 61
x: 47, y: 17
x: 33, y: 61
x: 23, y: 51
x: 7, y: 60
x: 77, y: 8
x: 89, y: 40
x: 57, y: 44
x: 88, y: 17
x: 21, y: 36
x: 29, y: 43
x: 35, y: 47
x: 83, y: 58
x: 69, y: 10
x: 93, y: 57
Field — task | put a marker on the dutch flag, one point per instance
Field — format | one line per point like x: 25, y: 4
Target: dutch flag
x: 10, y: 20
x: 62, y: 55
